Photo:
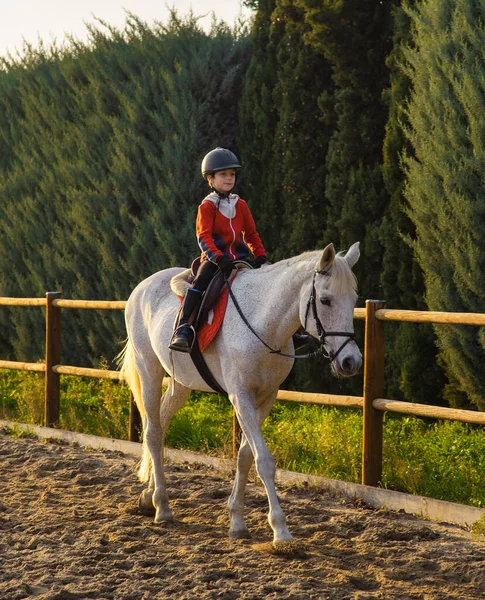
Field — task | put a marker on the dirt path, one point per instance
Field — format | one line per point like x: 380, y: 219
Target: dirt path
x: 69, y: 529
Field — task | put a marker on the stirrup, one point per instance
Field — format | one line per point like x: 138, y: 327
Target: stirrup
x: 181, y: 338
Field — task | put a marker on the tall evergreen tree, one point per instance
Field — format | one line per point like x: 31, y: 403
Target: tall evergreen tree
x: 301, y: 135
x: 284, y: 140
x: 444, y: 186
x: 355, y: 37
x: 412, y: 372
x: 257, y: 120
x: 282, y: 134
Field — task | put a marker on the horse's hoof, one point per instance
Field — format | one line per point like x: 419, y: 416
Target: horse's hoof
x: 145, y: 505
x: 239, y: 534
x: 163, y: 517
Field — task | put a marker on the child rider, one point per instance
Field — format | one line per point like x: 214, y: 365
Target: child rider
x: 225, y: 232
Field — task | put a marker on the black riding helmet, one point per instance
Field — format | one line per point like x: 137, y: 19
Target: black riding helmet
x: 218, y: 160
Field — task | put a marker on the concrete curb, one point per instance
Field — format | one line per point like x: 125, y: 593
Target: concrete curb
x: 429, y: 508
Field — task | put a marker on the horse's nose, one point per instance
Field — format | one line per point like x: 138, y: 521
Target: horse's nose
x: 351, y: 365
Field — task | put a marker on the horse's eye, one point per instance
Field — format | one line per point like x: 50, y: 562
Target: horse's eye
x: 325, y: 301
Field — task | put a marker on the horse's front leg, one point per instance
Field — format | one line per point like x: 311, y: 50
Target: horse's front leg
x: 238, y: 528
x: 247, y: 415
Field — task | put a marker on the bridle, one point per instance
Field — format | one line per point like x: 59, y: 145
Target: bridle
x: 322, y: 334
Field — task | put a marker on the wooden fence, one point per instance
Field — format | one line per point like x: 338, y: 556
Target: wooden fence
x: 372, y: 402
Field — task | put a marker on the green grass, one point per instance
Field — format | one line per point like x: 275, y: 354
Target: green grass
x: 443, y: 460
x: 204, y: 424
x: 316, y: 440
x: 96, y: 406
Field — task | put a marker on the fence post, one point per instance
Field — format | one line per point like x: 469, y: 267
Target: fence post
x: 373, y: 388
x: 52, y: 357
x: 135, y: 421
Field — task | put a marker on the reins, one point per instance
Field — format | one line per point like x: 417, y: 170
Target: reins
x: 322, y: 334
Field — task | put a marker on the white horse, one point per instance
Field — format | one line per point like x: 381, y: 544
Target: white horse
x: 316, y: 290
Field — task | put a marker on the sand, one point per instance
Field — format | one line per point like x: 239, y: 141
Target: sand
x: 70, y: 529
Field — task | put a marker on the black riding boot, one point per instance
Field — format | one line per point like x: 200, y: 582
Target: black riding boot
x: 183, y: 336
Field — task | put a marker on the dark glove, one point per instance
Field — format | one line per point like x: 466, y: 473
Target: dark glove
x: 225, y: 265
x: 261, y: 260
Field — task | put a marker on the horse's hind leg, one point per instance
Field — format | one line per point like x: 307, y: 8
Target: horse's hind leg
x: 151, y: 468
x: 171, y: 403
x: 150, y: 373
x: 155, y: 496
x: 237, y: 527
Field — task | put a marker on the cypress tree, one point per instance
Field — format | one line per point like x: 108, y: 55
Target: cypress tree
x: 301, y: 136
x: 412, y: 372
x: 29, y: 189
x: 348, y: 41
x: 282, y: 134
x: 355, y: 37
x: 444, y: 185
x: 257, y: 123
x: 284, y: 140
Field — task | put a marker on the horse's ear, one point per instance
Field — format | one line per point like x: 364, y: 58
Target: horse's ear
x: 353, y: 254
x: 328, y: 256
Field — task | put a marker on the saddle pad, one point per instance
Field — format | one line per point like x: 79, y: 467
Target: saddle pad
x: 209, y: 330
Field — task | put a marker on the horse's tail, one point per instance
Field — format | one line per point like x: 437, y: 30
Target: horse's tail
x: 129, y: 374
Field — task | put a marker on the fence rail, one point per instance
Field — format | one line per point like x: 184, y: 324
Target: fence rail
x: 420, y: 316
x: 371, y: 402
x: 90, y: 304
x: 22, y: 366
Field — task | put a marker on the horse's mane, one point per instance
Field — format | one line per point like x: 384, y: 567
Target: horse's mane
x: 342, y: 279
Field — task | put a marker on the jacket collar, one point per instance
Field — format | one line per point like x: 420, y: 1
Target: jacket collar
x: 227, y: 206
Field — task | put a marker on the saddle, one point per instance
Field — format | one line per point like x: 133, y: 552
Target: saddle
x: 200, y: 315
x: 208, y: 302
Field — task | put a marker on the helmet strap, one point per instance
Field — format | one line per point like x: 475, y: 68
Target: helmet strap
x: 222, y: 195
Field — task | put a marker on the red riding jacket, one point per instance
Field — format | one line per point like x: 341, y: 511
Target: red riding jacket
x: 225, y: 227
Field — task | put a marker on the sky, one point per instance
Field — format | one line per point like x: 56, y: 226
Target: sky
x: 51, y: 19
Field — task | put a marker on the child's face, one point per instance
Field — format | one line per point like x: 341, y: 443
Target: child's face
x: 223, y: 181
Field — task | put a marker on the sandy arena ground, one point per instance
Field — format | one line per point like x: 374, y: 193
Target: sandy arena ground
x: 70, y: 529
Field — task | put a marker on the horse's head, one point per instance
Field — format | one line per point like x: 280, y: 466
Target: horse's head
x: 327, y: 312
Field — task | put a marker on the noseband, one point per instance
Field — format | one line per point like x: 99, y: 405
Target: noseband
x: 322, y: 334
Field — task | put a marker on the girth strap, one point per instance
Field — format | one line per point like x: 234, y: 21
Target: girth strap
x: 203, y: 369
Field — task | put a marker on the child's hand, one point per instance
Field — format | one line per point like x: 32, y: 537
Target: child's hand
x: 225, y: 265
x: 261, y: 260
